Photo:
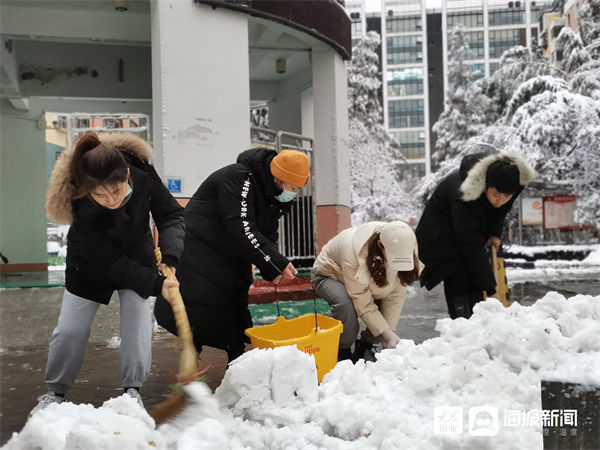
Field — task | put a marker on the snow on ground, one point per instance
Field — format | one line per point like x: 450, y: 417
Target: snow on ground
x: 552, y: 269
x: 541, y: 249
x: 271, y: 399
x: 556, y: 269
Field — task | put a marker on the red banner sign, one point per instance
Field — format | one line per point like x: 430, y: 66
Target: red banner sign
x: 559, y: 212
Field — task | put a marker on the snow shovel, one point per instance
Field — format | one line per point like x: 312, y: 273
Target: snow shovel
x: 188, y: 364
x: 502, y: 290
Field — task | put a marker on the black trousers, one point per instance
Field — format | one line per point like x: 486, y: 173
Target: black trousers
x: 219, y: 328
x: 460, y: 292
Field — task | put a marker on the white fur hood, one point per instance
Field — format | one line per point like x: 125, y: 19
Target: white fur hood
x: 474, y: 184
x: 58, y: 197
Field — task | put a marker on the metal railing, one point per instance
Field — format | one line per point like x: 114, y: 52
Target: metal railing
x: 298, y: 228
x: 76, y: 124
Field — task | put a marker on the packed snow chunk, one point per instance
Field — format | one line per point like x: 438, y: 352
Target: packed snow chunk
x: 276, y: 384
x: 118, y: 423
x: 207, y: 434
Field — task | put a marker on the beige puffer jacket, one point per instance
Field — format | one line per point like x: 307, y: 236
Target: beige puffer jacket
x: 344, y: 258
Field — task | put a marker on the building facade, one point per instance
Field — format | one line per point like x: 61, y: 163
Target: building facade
x: 415, y: 58
x: 405, y: 86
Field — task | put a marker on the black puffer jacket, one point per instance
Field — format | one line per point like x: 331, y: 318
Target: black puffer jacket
x: 458, y: 220
x: 108, y: 249
x: 231, y: 223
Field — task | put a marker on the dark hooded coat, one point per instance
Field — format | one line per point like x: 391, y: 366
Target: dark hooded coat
x: 108, y: 250
x: 231, y: 223
x: 458, y: 220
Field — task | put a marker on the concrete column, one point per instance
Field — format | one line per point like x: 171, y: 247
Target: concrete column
x: 332, y: 170
x: 200, y: 89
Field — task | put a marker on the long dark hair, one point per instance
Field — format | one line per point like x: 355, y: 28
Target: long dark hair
x: 377, y: 268
x: 95, y: 164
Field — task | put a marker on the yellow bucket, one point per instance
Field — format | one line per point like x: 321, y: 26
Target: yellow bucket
x: 301, y: 332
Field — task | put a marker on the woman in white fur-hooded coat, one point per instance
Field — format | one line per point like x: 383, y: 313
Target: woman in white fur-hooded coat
x: 463, y: 217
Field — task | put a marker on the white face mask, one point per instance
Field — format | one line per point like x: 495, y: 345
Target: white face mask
x: 285, y: 196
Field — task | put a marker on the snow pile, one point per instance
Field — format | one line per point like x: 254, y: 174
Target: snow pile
x: 593, y: 258
x: 270, y: 398
x: 119, y: 423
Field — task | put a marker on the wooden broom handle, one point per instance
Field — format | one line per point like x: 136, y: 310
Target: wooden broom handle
x: 494, y: 263
x: 188, y: 365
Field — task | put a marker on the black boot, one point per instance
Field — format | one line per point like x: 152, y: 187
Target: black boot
x: 364, y: 350
x: 459, y: 307
x: 344, y: 353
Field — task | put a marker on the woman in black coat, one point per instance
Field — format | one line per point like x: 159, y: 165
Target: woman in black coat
x: 464, y: 215
x: 105, y: 188
x: 231, y: 224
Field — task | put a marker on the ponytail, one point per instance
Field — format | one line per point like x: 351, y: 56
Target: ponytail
x: 94, y: 164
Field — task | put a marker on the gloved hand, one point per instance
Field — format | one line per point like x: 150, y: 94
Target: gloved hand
x: 389, y: 339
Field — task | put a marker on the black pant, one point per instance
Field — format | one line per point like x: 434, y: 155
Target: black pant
x: 461, y: 294
x: 233, y: 344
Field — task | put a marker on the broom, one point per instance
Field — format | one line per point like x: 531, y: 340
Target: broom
x: 188, y: 364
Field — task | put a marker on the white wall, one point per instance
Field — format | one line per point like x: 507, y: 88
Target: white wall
x: 84, y: 20
x: 53, y: 65
x: 308, y: 114
x: 201, y: 90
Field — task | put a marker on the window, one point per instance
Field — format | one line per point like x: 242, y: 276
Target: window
x: 404, y: 50
x: 356, y: 28
x: 556, y: 30
x: 476, y: 44
x: 502, y: 40
x: 467, y: 20
x: 506, y: 17
x: 477, y: 71
x: 403, y: 24
x: 402, y: 82
x: 405, y: 113
x: 493, y: 67
x: 412, y: 143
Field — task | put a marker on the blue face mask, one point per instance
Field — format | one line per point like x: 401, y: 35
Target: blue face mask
x: 286, y: 196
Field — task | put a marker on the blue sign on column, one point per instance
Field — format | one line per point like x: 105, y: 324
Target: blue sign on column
x: 174, y: 185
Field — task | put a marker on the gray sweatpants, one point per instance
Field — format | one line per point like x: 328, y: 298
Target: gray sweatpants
x: 70, y: 337
x: 342, y: 308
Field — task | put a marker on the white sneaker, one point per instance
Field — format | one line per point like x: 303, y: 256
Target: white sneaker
x: 45, y: 400
x: 135, y: 394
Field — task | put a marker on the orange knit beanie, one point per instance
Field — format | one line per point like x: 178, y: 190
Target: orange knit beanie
x: 292, y: 167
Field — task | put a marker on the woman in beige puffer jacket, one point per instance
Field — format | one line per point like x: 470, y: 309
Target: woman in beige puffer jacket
x: 363, y: 273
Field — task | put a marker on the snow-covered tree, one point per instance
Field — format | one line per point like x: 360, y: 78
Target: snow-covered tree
x: 465, y: 107
x: 586, y: 80
x: 517, y: 65
x: 560, y: 134
x: 572, y: 50
x: 376, y: 192
x: 589, y: 27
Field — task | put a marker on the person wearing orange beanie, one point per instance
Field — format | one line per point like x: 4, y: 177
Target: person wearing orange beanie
x: 231, y: 224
